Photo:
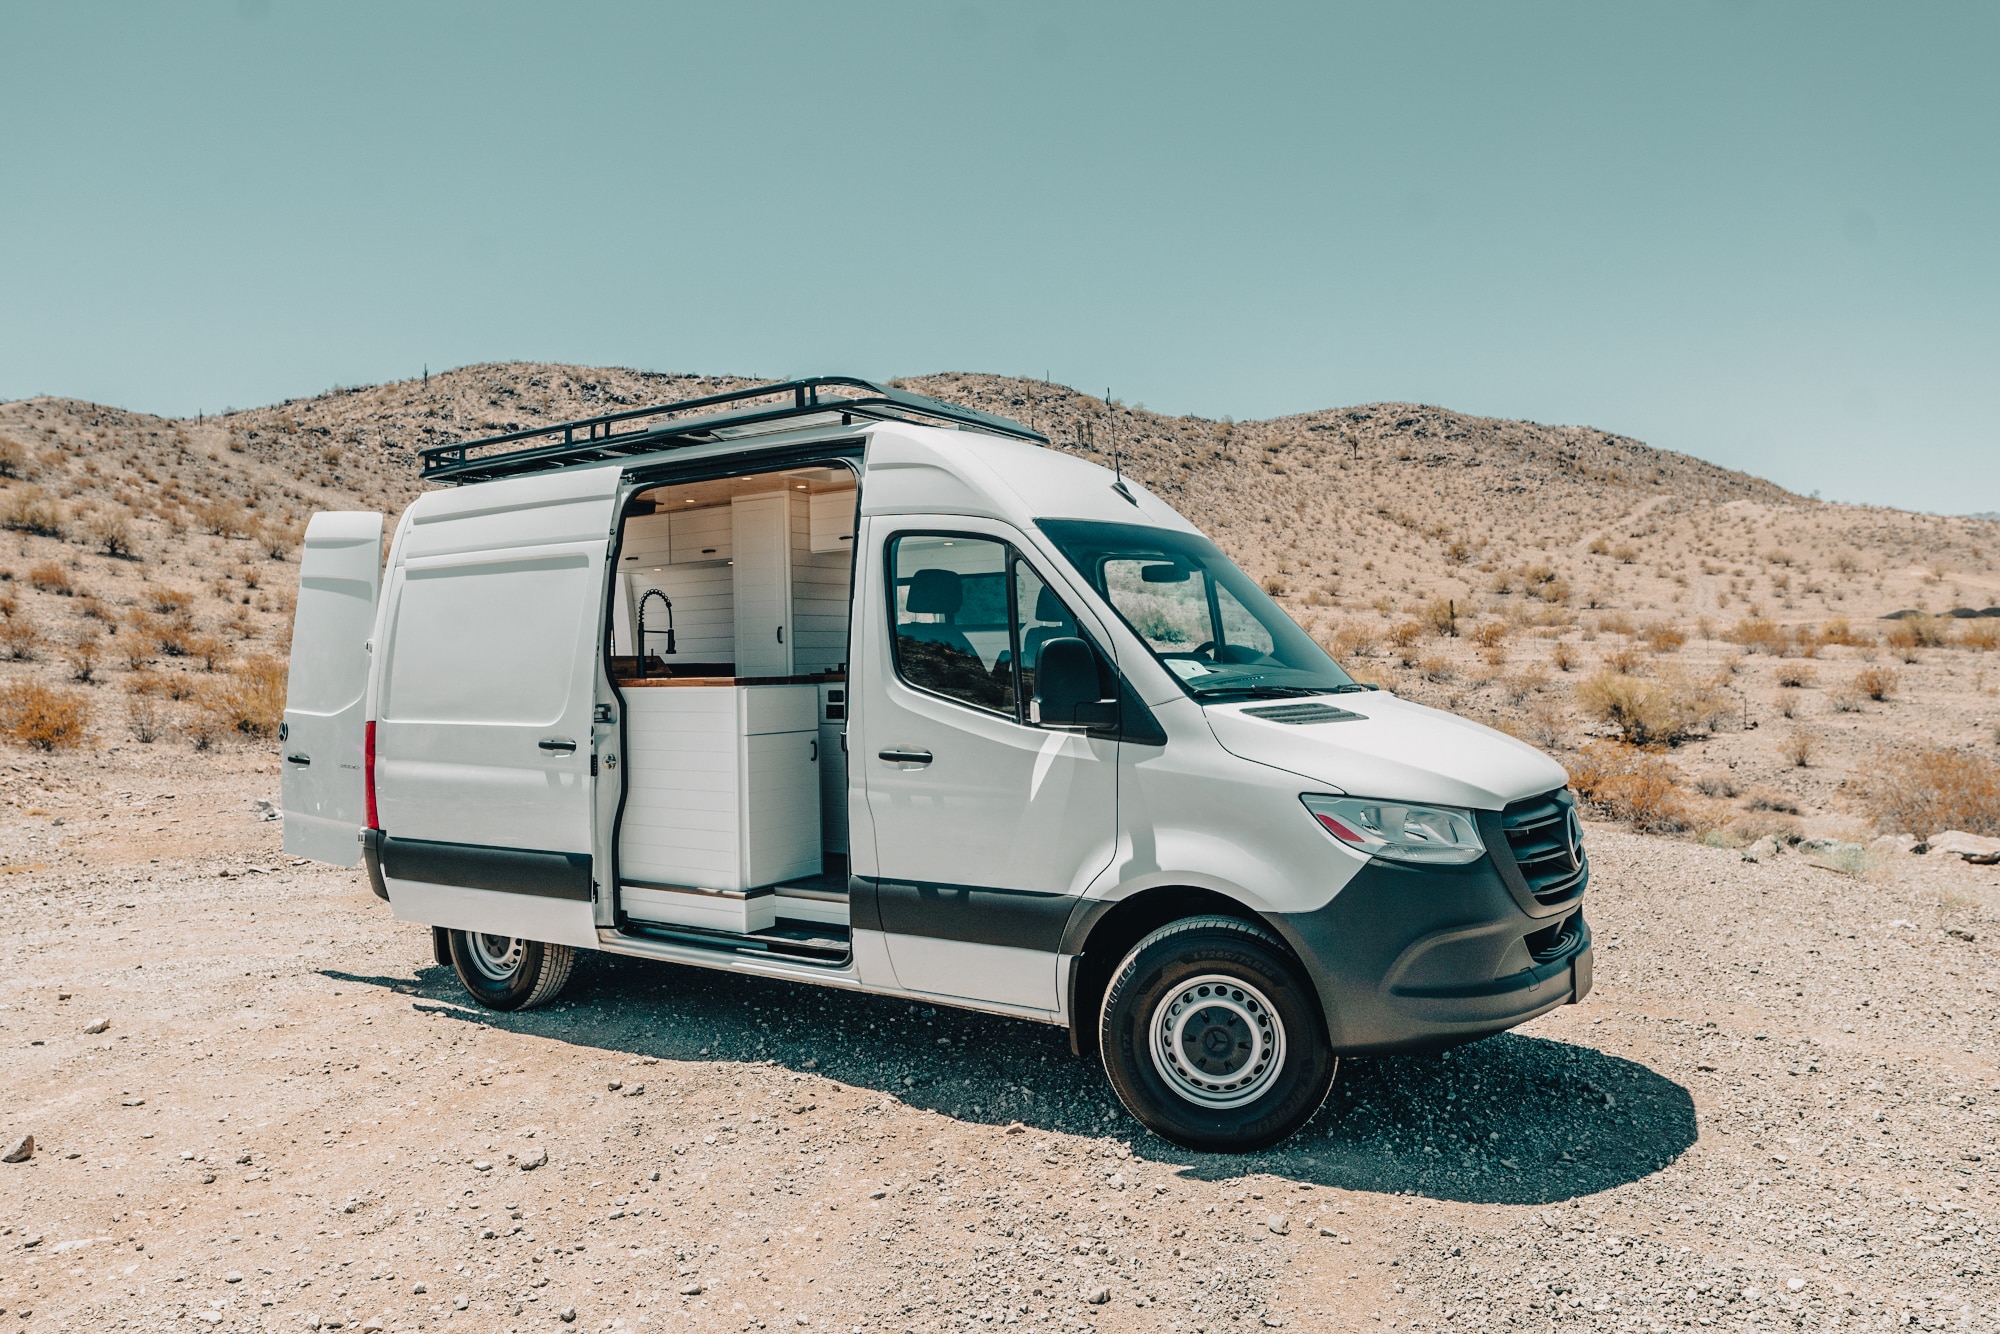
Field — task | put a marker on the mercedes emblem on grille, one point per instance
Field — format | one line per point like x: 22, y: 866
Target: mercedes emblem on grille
x: 1573, y: 836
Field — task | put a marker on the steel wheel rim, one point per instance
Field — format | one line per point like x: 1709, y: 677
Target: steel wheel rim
x: 1217, y: 1041
x: 496, y: 958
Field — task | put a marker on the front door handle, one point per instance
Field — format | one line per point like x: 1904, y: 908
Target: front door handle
x: 298, y: 759
x: 904, y: 755
x: 561, y: 743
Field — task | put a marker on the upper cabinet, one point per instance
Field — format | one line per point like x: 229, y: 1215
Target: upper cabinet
x: 832, y: 520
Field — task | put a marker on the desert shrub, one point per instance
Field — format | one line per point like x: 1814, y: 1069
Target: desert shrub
x: 1614, y: 623
x: 1353, y: 640
x: 1626, y: 659
x: 1565, y: 656
x: 13, y: 458
x: 132, y: 648
x: 1838, y: 631
x: 1982, y: 634
x: 168, y: 601
x: 1719, y: 786
x: 1845, y: 699
x: 1925, y: 792
x: 1796, y: 674
x: 251, y: 699
x: 43, y: 717
x: 145, y: 717
x: 1758, y: 635
x: 28, y: 509
x: 211, y: 649
x: 277, y: 539
x: 176, y: 639
x: 49, y: 577
x: 83, y: 653
x: 223, y: 518
x: 1438, y: 668
x: 1799, y: 748
x: 1275, y: 585
x: 1878, y: 683
x: 1649, y: 712
x: 201, y: 726
x: 1440, y: 617
x: 20, y: 637
x: 1489, y: 634
x: 1629, y: 784
x: 111, y: 531
x: 1663, y: 636
x: 1520, y: 686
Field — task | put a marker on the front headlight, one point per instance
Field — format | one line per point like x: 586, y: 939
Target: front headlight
x: 1438, y: 835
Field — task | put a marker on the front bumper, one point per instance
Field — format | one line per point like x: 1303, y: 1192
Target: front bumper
x: 1410, y: 957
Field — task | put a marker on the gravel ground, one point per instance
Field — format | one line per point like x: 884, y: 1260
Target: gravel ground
x: 1780, y: 1108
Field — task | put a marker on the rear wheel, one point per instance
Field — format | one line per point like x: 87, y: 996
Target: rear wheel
x: 509, y: 973
x: 1213, y: 1039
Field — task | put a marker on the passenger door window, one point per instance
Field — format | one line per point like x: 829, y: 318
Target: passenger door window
x: 951, y: 623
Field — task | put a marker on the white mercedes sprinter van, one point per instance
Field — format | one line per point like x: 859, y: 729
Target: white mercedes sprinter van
x: 835, y: 683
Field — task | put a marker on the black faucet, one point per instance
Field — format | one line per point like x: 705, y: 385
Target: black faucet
x: 650, y: 594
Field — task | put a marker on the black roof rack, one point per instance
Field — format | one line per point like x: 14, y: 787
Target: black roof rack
x: 594, y: 439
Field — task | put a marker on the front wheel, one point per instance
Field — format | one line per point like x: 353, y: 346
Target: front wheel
x: 1213, y: 1039
x: 507, y: 972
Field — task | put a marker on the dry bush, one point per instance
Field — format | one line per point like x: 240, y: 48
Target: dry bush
x: 224, y: 518
x: 49, y: 577
x: 111, y: 531
x: 1982, y: 634
x: 1628, y: 784
x: 1650, y: 713
x: 1920, y: 632
x: 13, y: 458
x: 83, y: 653
x: 1520, y: 686
x: 1615, y: 623
x: 277, y: 539
x: 1838, y: 631
x: 1353, y: 640
x: 43, y: 717
x: 145, y: 717
x: 1925, y: 792
x: 1719, y: 786
x: 93, y: 608
x: 211, y: 649
x: 20, y: 637
x: 1758, y: 635
x: 201, y: 726
x: 1440, y: 617
x: 1663, y: 636
x: 1845, y: 699
x: 133, y: 648
x: 1544, y: 726
x: 28, y: 509
x: 169, y: 601
x: 1488, y: 634
x: 1799, y: 748
x: 1628, y: 660
x: 1790, y: 706
x: 1494, y: 655
x: 251, y: 699
x: 1565, y: 656
x: 1797, y: 675
x: 1878, y: 683
x: 1438, y: 668
x: 1274, y: 584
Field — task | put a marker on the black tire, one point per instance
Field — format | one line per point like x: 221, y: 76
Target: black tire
x: 508, y: 973
x: 1252, y: 1063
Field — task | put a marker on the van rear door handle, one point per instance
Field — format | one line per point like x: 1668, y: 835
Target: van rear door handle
x: 901, y: 755
x: 561, y: 743
x: 298, y: 759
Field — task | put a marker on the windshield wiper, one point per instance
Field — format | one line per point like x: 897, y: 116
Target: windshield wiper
x: 1271, y: 692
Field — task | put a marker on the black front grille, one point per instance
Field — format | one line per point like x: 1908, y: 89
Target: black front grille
x: 1547, y: 845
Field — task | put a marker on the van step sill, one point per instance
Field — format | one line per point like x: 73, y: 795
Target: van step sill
x: 807, y: 942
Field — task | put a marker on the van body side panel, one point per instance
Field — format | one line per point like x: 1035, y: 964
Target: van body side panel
x: 484, y: 735
x: 322, y: 784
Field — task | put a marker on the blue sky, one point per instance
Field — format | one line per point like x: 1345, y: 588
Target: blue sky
x: 1759, y: 233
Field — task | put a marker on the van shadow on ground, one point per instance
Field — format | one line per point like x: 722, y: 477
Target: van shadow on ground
x: 1511, y: 1120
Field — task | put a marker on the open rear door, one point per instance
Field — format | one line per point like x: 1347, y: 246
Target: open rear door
x: 340, y: 575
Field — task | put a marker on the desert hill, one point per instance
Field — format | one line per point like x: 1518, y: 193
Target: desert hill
x: 1481, y: 564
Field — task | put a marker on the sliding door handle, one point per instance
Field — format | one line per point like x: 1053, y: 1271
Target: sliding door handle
x: 904, y: 755
x: 298, y: 759
x: 561, y: 743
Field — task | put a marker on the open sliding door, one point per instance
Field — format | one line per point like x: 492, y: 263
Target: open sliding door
x: 484, y: 773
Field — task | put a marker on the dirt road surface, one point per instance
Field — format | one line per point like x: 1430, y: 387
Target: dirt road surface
x: 1780, y: 1109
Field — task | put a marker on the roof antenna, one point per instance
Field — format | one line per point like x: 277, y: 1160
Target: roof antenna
x: 1117, y: 472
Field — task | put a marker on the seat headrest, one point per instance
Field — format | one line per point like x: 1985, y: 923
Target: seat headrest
x: 936, y: 592
x: 1049, y: 607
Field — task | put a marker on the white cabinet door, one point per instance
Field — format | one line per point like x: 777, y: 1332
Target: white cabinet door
x: 483, y: 718
x: 763, y: 578
x: 322, y: 788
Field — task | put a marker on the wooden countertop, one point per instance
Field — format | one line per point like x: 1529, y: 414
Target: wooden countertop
x: 633, y: 682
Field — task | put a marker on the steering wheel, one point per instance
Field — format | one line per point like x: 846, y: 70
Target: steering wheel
x: 1206, y: 646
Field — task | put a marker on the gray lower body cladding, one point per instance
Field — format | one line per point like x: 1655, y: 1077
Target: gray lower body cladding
x: 1414, y: 957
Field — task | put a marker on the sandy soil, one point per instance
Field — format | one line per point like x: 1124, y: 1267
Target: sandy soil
x: 1780, y: 1107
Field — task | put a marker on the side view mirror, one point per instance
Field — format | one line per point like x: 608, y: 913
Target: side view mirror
x: 1066, y: 689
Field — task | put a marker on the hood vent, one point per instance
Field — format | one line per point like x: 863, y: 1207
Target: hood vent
x: 1304, y: 715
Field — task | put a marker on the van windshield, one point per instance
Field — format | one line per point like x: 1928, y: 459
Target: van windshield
x: 1220, y: 635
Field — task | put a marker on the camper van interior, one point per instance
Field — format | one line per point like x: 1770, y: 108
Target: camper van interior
x: 729, y: 646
